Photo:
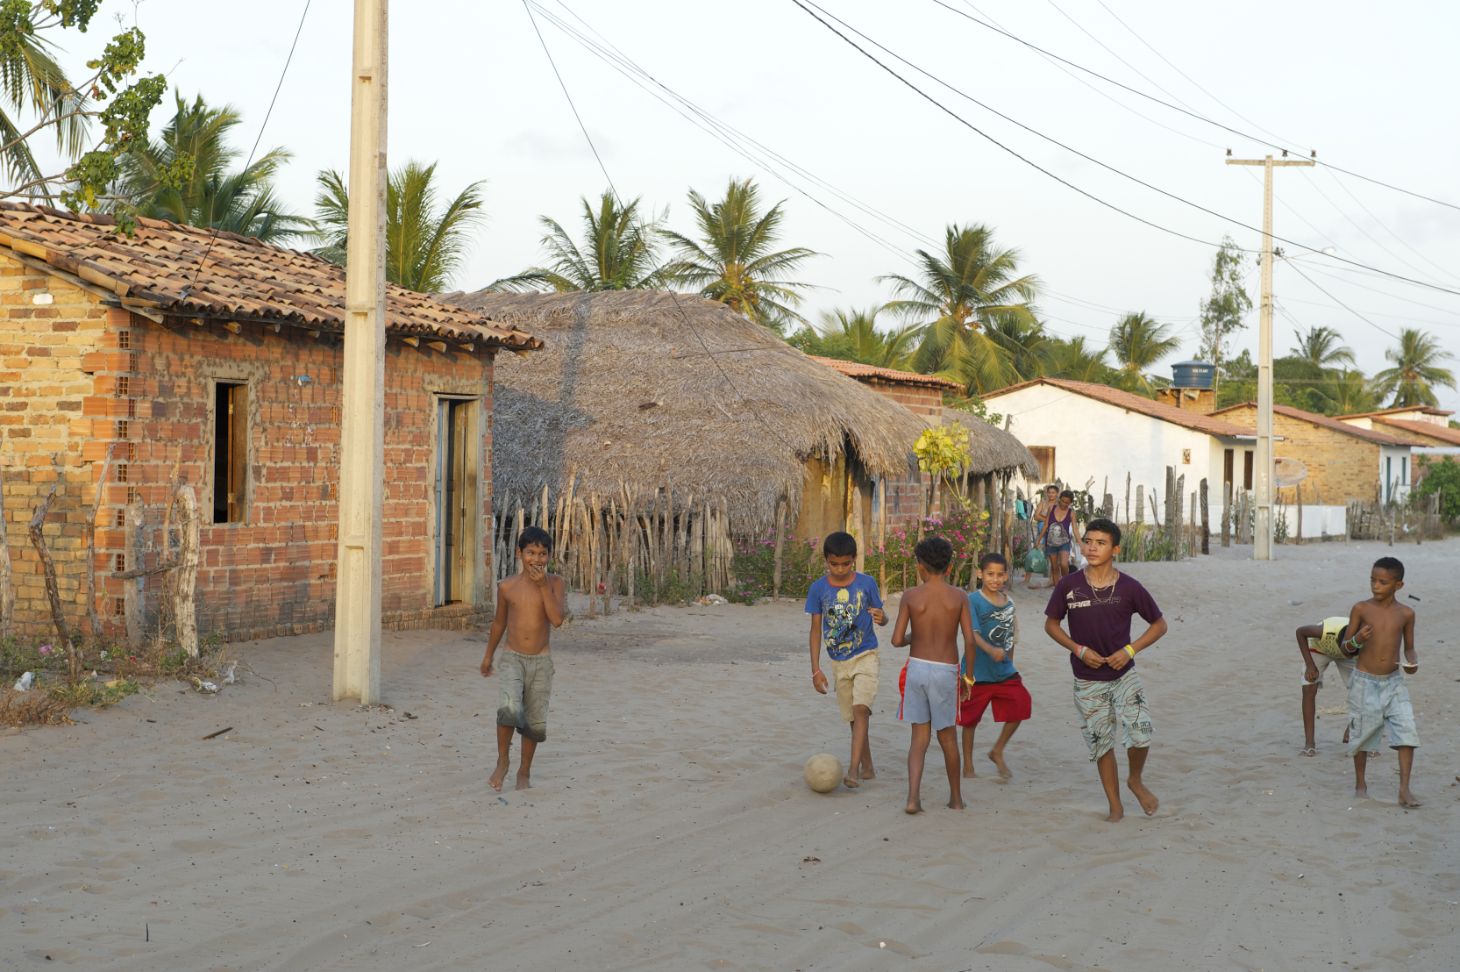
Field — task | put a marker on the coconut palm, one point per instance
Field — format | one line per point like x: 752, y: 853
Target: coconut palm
x: 1323, y: 346
x: 619, y: 251
x: 425, y: 243
x: 1416, y: 370
x: 734, y: 260
x: 32, y: 81
x: 854, y: 335
x: 1070, y: 358
x: 1137, y: 343
x: 1348, y: 392
x: 957, y: 293
x: 194, y: 145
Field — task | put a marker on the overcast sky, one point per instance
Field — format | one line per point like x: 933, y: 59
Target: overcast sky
x: 1370, y: 87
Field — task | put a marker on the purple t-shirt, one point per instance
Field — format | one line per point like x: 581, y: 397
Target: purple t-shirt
x: 1101, y: 624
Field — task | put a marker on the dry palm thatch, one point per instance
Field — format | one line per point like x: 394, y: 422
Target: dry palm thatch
x: 993, y: 449
x: 657, y: 390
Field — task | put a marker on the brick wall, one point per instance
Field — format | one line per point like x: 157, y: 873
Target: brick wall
x: 84, y: 377
x: 1340, y: 467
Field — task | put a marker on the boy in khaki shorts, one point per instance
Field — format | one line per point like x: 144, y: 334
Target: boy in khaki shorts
x: 844, y: 605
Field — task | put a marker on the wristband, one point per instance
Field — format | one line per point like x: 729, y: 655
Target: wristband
x: 969, y: 682
x: 1130, y: 651
x: 1080, y: 655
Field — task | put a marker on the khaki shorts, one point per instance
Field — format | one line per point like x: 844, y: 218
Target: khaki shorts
x: 856, y: 681
x: 527, y: 681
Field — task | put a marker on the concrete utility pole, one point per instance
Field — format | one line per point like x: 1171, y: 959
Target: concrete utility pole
x: 1263, y: 481
x: 362, y: 415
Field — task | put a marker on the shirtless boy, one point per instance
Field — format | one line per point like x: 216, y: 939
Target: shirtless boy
x: 929, y: 620
x: 1377, y: 695
x: 528, y: 603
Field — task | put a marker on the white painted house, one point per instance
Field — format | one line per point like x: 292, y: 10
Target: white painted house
x: 1426, y: 428
x: 1080, y: 431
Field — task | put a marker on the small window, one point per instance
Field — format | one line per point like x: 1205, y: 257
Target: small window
x: 230, y: 451
x: 1247, y: 469
x: 1044, y: 455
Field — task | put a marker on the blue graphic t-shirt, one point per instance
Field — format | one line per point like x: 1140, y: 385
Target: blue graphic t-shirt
x: 846, y: 615
x: 995, y: 622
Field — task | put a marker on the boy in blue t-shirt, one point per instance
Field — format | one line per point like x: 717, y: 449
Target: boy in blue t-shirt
x: 993, y: 680
x: 843, y: 606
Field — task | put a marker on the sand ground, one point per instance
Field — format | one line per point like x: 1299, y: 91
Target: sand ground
x: 669, y: 827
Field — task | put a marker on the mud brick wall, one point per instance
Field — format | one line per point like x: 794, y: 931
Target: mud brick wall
x: 78, y: 379
x: 1341, y: 468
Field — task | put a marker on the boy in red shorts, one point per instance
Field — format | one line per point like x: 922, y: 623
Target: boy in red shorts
x: 990, y: 677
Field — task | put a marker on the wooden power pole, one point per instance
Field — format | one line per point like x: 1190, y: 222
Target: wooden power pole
x: 362, y: 415
x: 1263, y: 480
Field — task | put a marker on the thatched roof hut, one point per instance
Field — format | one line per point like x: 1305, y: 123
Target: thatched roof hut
x: 661, y: 390
x: 993, y: 449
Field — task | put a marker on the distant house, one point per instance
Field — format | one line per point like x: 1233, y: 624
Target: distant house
x: 180, y: 355
x: 1339, y: 462
x: 1087, y: 433
x: 1427, y: 429
x: 997, y: 456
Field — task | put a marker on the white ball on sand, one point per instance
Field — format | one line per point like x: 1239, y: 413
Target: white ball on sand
x: 823, y: 772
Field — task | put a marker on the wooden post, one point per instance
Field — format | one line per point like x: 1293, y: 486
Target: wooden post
x: 1226, y: 514
x: 48, y: 570
x: 134, y: 604
x: 882, y: 530
x: 1299, y: 538
x: 362, y: 432
x: 92, y: 619
x: 1140, y: 504
x: 184, y: 611
x: 1206, y: 524
x: 1127, y: 497
x: 7, y: 582
x: 780, y: 527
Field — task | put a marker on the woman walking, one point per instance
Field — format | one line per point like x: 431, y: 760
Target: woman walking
x: 1061, y: 533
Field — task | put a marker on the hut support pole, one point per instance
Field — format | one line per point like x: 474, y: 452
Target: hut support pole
x: 780, y: 528
x: 184, y: 611
x: 48, y: 570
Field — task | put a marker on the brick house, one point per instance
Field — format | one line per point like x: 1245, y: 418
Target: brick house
x: 1426, y: 428
x: 1343, y: 462
x: 176, y: 355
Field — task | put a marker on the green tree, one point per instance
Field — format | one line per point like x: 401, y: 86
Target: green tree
x: 1442, y: 477
x: 619, y: 251
x: 1416, y: 370
x: 1224, y: 310
x: 853, y: 335
x: 186, y: 176
x: 956, y: 296
x: 1071, y: 358
x: 425, y: 242
x: 34, y: 85
x: 734, y: 259
x: 1323, y: 346
x: 1137, y: 343
x: 1349, y: 392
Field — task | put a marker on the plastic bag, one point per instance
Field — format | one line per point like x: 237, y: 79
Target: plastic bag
x: 1035, y: 562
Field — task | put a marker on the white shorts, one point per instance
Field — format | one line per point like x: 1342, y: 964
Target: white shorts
x: 1345, y: 669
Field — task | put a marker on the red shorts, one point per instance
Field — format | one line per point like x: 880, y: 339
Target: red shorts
x: 1009, y: 698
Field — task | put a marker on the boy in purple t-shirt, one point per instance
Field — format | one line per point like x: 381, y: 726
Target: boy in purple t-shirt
x: 1100, y: 602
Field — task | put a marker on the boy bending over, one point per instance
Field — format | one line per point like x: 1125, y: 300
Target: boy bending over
x: 1322, y: 645
x: 1100, y: 602
x: 529, y: 604
x: 929, y: 619
x: 1377, y: 695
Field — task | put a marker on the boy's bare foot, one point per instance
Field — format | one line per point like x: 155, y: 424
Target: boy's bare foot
x: 523, y: 783
x: 998, y: 759
x: 1408, y: 799
x: 968, y: 773
x: 1361, y: 793
x: 955, y: 803
x: 868, y: 773
x: 1116, y: 815
x: 850, y: 782
x: 1148, y: 800
x: 916, y: 806
x: 498, y: 775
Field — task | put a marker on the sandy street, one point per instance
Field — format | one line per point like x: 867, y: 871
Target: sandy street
x: 669, y: 827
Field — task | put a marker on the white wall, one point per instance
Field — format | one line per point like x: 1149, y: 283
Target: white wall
x: 1395, y: 472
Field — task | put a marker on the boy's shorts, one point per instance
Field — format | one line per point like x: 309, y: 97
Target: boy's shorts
x: 527, y: 681
x: 1009, y: 698
x: 930, y: 693
x: 1345, y: 668
x: 856, y: 681
x: 1104, y: 705
x: 1377, y: 702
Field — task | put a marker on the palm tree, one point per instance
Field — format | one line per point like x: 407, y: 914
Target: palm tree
x: 1322, y: 346
x: 424, y: 243
x: 1137, y: 342
x: 734, y: 260
x: 1348, y: 392
x: 1416, y: 370
x: 194, y: 145
x: 854, y: 334
x: 31, y: 80
x: 1071, y: 359
x: 619, y: 252
x: 956, y: 295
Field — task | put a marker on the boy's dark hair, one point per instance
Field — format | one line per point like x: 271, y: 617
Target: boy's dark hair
x: 1104, y: 525
x: 935, y: 553
x: 993, y: 557
x: 1067, y: 494
x: 1391, y: 564
x: 537, y: 535
x: 839, y: 544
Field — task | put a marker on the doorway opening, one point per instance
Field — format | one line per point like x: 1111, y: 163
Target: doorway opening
x: 458, y: 500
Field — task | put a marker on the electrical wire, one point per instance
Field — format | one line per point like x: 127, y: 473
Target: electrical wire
x: 1299, y: 271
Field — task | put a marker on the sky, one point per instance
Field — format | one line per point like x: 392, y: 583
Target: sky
x: 1370, y: 88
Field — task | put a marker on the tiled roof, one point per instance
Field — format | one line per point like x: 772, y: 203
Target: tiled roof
x: 1440, y: 433
x: 161, y: 269
x: 1378, y: 438
x: 855, y: 369
x: 1425, y: 409
x: 1135, y: 403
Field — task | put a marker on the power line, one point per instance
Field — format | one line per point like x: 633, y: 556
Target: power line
x: 1299, y: 271
x: 805, y: 6
x: 1103, y: 46
x: 1185, y: 111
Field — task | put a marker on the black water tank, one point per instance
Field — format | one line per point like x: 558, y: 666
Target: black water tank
x: 1193, y: 374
